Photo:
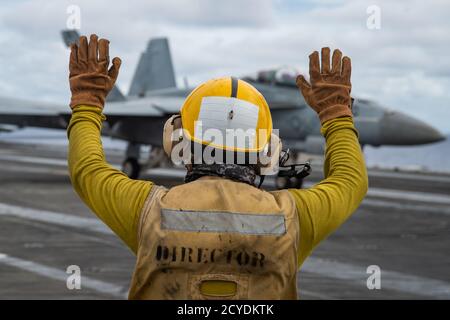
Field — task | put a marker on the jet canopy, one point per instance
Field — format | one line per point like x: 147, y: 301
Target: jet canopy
x: 284, y: 76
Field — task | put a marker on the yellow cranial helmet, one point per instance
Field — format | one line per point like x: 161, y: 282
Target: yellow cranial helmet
x: 226, y: 114
x: 226, y: 107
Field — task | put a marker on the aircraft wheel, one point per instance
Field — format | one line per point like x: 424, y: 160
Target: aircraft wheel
x: 282, y: 183
x: 131, y: 168
x: 297, y: 183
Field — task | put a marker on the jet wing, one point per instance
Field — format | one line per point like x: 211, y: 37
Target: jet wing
x: 145, y: 107
x: 12, y: 106
x: 23, y: 113
x: 7, y: 128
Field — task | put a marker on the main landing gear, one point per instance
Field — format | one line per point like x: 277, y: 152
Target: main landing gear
x: 133, y: 168
x: 286, y: 182
x: 291, y: 175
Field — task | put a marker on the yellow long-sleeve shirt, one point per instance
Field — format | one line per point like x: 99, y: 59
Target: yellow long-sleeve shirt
x: 118, y: 200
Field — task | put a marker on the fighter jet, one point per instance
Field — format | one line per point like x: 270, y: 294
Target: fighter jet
x: 300, y: 127
x: 139, y: 117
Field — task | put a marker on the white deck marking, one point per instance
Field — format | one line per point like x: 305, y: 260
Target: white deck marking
x: 62, y: 219
x: 40, y: 170
x: 404, y: 195
x: 393, y: 280
x: 389, y: 279
x: 180, y: 173
x: 38, y: 160
x: 404, y: 206
x: 409, y: 176
x: 409, y: 195
x: 61, y: 275
x: 34, y: 160
x: 373, y: 192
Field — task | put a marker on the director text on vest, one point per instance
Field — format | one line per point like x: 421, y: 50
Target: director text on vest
x: 205, y: 255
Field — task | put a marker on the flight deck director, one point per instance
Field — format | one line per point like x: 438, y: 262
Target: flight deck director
x: 217, y: 236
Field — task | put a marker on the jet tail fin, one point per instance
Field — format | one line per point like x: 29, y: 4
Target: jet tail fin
x: 72, y: 36
x: 154, y: 70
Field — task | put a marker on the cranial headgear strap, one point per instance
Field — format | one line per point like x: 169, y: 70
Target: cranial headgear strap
x: 234, y: 87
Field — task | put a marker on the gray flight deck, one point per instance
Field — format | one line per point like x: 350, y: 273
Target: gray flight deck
x: 403, y: 227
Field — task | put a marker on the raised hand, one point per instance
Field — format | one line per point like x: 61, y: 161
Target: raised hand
x: 89, y: 78
x: 329, y: 91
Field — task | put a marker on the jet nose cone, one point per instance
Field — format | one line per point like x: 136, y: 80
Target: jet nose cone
x: 400, y: 129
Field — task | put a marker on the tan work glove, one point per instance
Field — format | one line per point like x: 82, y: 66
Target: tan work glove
x: 329, y: 91
x: 89, y: 78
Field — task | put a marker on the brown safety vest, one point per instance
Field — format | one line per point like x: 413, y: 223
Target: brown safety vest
x: 221, y: 230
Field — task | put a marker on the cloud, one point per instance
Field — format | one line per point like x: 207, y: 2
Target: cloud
x: 403, y: 65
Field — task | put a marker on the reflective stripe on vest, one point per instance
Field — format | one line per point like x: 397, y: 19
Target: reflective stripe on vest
x: 226, y: 222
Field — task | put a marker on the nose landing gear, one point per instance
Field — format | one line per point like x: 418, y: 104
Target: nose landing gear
x: 291, y: 176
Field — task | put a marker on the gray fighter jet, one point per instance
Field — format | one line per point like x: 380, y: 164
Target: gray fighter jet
x: 139, y: 117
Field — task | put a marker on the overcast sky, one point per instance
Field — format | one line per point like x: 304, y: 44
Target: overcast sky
x: 404, y: 65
